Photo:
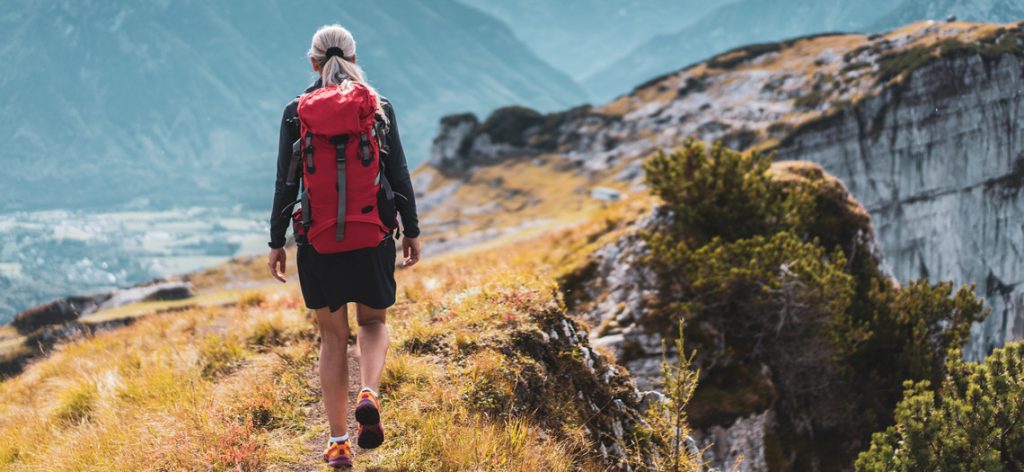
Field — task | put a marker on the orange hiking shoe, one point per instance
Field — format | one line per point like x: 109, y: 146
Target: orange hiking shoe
x: 371, y: 432
x: 338, y: 454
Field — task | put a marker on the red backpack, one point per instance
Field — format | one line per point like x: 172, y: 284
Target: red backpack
x: 346, y: 202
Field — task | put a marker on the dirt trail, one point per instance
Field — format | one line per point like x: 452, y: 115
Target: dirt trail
x: 316, y: 421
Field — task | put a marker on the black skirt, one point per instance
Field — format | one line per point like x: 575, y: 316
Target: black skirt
x: 364, y: 276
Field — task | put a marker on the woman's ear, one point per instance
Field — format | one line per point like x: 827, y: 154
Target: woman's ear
x: 316, y: 66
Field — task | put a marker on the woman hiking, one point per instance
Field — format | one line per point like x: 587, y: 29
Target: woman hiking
x: 340, y: 145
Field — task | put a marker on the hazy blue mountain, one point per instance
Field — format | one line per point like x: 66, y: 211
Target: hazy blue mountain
x: 581, y: 37
x: 732, y: 25
x: 910, y: 11
x: 160, y: 103
x: 752, y: 21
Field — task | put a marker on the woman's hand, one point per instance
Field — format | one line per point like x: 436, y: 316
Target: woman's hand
x: 411, y: 251
x: 277, y: 262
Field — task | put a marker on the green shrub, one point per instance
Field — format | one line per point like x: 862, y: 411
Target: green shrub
x: 771, y: 267
x: 909, y: 334
x: 718, y: 192
x: 975, y: 421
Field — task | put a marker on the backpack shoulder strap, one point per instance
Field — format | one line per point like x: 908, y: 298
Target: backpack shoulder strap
x: 295, y: 129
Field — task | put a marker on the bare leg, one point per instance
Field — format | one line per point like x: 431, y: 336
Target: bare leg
x: 373, y: 344
x: 334, y: 366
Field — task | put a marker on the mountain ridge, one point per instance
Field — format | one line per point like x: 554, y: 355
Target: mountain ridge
x: 755, y: 21
x: 217, y: 112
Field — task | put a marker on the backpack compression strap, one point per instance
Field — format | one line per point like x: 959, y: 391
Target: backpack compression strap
x: 307, y: 217
x: 339, y: 157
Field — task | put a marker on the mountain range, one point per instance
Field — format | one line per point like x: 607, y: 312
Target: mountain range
x: 978, y: 10
x: 177, y: 103
x: 124, y: 105
x: 581, y: 37
x: 755, y: 21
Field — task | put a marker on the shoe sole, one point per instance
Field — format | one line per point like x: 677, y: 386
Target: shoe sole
x: 338, y: 465
x: 370, y: 439
x: 367, y: 415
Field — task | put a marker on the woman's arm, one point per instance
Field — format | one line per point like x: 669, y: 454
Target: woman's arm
x: 284, y: 194
x: 396, y: 170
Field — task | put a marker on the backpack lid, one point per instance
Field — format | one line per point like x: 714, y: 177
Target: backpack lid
x: 337, y: 110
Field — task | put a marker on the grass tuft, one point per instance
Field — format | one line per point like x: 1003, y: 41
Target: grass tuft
x: 220, y: 354
x: 253, y: 298
x: 77, y: 404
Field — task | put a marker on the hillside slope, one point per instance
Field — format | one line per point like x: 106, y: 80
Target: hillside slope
x: 81, y: 113
x: 481, y: 344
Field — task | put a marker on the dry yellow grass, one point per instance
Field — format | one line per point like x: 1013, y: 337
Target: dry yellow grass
x: 232, y: 386
x: 171, y: 390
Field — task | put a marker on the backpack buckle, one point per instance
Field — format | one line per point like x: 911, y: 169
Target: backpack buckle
x: 364, y: 148
x: 310, y: 167
x: 293, y: 166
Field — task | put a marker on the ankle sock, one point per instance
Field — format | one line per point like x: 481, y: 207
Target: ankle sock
x: 337, y: 439
x: 374, y: 392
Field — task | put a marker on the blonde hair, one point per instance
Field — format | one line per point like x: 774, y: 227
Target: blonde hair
x: 337, y: 70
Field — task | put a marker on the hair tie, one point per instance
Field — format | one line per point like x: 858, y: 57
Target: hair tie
x: 332, y: 52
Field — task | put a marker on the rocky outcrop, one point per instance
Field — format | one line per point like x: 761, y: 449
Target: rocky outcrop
x: 73, y: 307
x: 149, y: 292
x: 518, y: 132
x: 602, y: 391
x: 453, y: 140
x: 41, y: 327
x: 57, y: 312
x: 739, y: 406
x: 613, y: 297
x: 939, y: 163
x: 739, y: 447
x: 920, y: 123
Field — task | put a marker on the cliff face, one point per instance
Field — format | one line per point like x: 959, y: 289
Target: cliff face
x: 919, y: 123
x: 939, y: 163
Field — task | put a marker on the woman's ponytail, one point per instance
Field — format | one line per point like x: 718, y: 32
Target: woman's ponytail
x: 339, y: 67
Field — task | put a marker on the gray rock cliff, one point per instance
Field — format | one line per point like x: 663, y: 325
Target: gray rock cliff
x: 939, y: 163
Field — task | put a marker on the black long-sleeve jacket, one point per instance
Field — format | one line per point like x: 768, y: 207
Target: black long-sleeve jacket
x: 396, y: 170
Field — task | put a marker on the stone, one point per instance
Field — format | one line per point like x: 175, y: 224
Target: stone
x: 739, y: 447
x: 156, y: 291
x: 939, y: 164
